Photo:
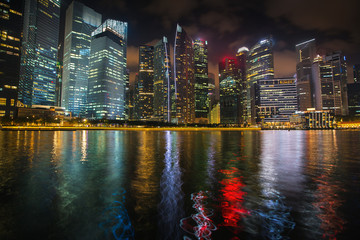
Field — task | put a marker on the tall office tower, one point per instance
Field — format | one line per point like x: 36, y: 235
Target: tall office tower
x: 128, y: 95
x: 107, y: 75
x: 163, y: 84
x: 260, y: 66
x: 39, y: 52
x: 353, y: 90
x: 211, y: 90
x: 80, y: 22
x: 305, y: 55
x: 241, y: 57
x: 278, y: 99
x: 59, y: 71
x: 330, y: 81
x: 201, y: 81
x: 10, y: 36
x: 230, y: 92
x: 184, y: 77
x: 145, y: 83
x: 356, y: 69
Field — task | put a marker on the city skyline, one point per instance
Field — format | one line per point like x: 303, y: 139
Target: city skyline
x: 227, y: 26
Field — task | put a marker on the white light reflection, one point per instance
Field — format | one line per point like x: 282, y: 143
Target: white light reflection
x: 171, y: 204
x: 84, y: 146
x: 280, y: 174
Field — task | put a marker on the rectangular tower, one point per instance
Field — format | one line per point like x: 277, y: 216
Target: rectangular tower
x: 10, y: 44
x: 39, y: 52
x: 163, y: 84
x: 201, y: 81
x: 184, y: 77
x: 80, y: 22
x: 305, y: 54
x: 145, y: 83
x: 107, y: 74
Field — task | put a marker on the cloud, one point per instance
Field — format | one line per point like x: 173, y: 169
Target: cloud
x: 241, y: 42
x: 132, y: 57
x: 284, y: 63
x: 324, y: 15
x: 170, y: 10
x: 221, y: 22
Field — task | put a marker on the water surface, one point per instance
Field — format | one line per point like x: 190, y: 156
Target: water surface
x: 179, y: 185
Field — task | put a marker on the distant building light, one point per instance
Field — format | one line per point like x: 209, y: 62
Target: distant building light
x: 243, y: 49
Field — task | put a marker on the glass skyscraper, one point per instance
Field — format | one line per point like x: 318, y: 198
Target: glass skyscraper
x: 107, y: 74
x: 201, y: 81
x: 230, y: 92
x: 260, y: 66
x: 39, y: 52
x: 330, y: 81
x: 305, y: 55
x: 80, y: 22
x: 163, y: 84
x: 241, y: 57
x: 356, y: 69
x: 184, y: 77
x: 10, y: 44
x: 145, y: 83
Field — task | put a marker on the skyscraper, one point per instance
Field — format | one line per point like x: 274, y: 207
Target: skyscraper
x: 163, y: 84
x: 354, y: 99
x: 330, y: 80
x: 356, y: 69
x: 107, y: 75
x: 39, y: 52
x: 201, y: 81
x: 80, y: 22
x: 230, y: 92
x: 10, y: 43
x: 241, y: 57
x: 184, y: 77
x: 305, y: 54
x: 260, y: 66
x: 145, y: 83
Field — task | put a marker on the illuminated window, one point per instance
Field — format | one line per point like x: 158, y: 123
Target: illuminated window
x: 2, y: 113
x: 2, y: 101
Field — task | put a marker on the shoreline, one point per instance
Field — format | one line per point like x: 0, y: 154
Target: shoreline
x: 22, y: 128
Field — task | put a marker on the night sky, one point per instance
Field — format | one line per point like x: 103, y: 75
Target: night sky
x: 230, y: 24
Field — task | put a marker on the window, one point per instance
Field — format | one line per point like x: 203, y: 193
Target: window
x: 2, y: 113
x: 2, y: 101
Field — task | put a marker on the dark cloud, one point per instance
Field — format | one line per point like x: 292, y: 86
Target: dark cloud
x: 284, y: 63
x: 220, y: 22
x: 324, y: 15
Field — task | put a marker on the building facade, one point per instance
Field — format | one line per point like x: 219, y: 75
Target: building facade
x: 80, y: 22
x: 184, y: 78
x: 201, y: 81
x: 107, y: 74
x: 260, y: 65
x: 10, y: 44
x: 163, y: 84
x: 305, y: 55
x: 230, y: 92
x: 145, y: 83
x: 278, y: 99
x: 356, y: 69
x: 353, y: 91
x: 39, y: 52
x: 330, y: 83
x: 241, y: 57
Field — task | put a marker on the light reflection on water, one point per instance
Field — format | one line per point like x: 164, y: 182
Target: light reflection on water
x: 171, y: 204
x: 226, y: 185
